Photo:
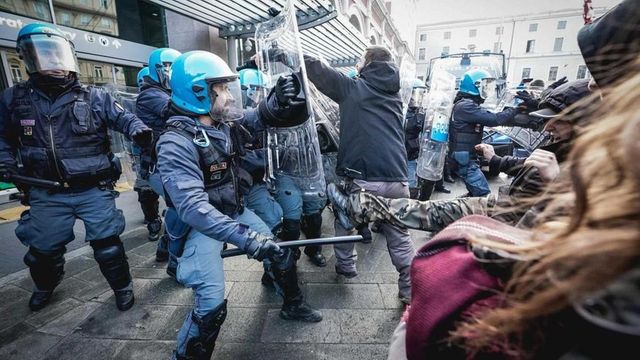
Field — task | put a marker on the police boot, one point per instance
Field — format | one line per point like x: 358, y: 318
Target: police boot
x: 311, y: 227
x: 162, y: 251
x: 286, y: 279
x: 47, y: 271
x: 111, y: 257
x: 287, y: 231
x: 339, y: 204
x: 148, y: 200
x: 154, y: 227
x: 201, y: 347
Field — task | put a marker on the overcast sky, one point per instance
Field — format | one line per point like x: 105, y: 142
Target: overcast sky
x: 407, y: 14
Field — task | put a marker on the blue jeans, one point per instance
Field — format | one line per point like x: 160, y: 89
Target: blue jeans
x: 200, y: 268
x: 411, y: 171
x: 48, y: 224
x: 470, y: 172
x: 294, y: 203
x: 262, y: 203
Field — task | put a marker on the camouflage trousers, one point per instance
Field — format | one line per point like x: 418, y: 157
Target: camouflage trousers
x: 431, y: 215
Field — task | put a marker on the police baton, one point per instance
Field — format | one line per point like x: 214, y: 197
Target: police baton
x: 299, y: 243
x: 31, y: 181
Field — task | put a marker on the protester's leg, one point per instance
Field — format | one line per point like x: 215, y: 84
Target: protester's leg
x: 478, y: 184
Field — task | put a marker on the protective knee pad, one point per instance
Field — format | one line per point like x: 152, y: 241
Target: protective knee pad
x: 286, y: 277
x: 149, y: 203
x: 201, y: 347
x: 290, y: 230
x: 47, y: 268
x: 110, y: 255
x: 311, y: 225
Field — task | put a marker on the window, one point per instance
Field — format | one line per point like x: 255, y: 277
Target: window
x: 421, y: 54
x: 423, y: 37
x: 557, y: 45
x: 500, y: 30
x: 447, y: 35
x: 533, y: 27
x: 85, y: 19
x: 473, y: 32
x: 40, y: 10
x: 531, y: 44
x: 16, y: 74
x: 497, y: 47
x: 97, y: 71
x: 562, y: 24
x: 64, y: 18
x: 553, y: 73
x: 105, y: 4
x: 106, y: 23
x: 526, y: 73
x: 582, y: 72
x: 445, y: 50
x: 471, y: 47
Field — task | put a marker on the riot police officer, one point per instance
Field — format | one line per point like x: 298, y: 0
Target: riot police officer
x: 152, y: 106
x: 57, y: 129
x: 468, y: 120
x: 198, y: 164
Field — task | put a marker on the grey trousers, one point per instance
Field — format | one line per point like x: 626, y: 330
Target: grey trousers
x: 398, y: 240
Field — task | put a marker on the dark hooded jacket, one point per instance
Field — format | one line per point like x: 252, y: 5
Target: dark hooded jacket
x: 371, y: 132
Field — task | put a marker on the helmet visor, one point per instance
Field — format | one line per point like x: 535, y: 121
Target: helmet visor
x: 42, y: 52
x: 417, y: 97
x: 164, y: 74
x: 487, y: 87
x: 226, y: 100
x: 254, y: 94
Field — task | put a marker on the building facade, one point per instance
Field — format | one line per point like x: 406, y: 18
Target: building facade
x: 372, y: 18
x: 539, y: 46
x: 113, y: 38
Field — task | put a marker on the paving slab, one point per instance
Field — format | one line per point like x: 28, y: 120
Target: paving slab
x: 29, y: 347
x: 71, y: 320
x: 344, y: 296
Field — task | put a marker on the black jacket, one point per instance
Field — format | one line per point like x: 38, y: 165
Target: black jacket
x: 371, y: 132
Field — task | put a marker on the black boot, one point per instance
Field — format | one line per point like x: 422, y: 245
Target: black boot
x: 286, y: 280
x: 162, y: 251
x: 311, y: 227
x: 154, y: 227
x: 201, y: 347
x: 148, y: 200
x: 111, y: 257
x: 440, y: 187
x: 47, y: 271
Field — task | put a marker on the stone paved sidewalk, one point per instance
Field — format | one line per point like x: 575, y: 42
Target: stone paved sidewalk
x: 82, y: 321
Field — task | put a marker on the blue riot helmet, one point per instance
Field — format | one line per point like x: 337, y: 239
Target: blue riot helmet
x: 478, y: 82
x: 44, y: 49
x: 141, y: 75
x: 417, y: 93
x: 202, y: 83
x: 253, y: 87
x: 160, y: 61
x: 353, y: 73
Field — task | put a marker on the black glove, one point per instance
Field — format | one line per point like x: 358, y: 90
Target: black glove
x: 529, y: 103
x: 7, y: 171
x: 558, y: 82
x: 527, y: 121
x: 287, y: 88
x: 143, y: 137
x: 363, y: 230
x: 262, y: 247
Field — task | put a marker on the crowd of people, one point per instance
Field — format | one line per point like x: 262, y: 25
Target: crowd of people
x: 546, y: 268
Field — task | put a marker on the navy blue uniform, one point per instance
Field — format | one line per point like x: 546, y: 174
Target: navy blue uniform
x: 66, y: 140
x: 467, y: 124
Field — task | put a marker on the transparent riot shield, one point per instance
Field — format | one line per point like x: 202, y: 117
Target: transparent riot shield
x: 292, y: 152
x: 120, y: 146
x: 528, y: 139
x: 407, y: 75
x: 434, y: 140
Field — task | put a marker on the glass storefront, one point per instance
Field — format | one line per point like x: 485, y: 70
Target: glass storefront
x: 132, y: 20
x: 91, y: 72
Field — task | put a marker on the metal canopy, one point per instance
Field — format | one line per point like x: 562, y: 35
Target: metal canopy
x: 323, y: 32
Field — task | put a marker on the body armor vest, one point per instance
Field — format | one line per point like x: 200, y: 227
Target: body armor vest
x: 63, y: 140
x: 224, y: 180
x: 464, y: 136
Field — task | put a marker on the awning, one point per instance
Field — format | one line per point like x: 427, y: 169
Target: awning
x: 323, y: 31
